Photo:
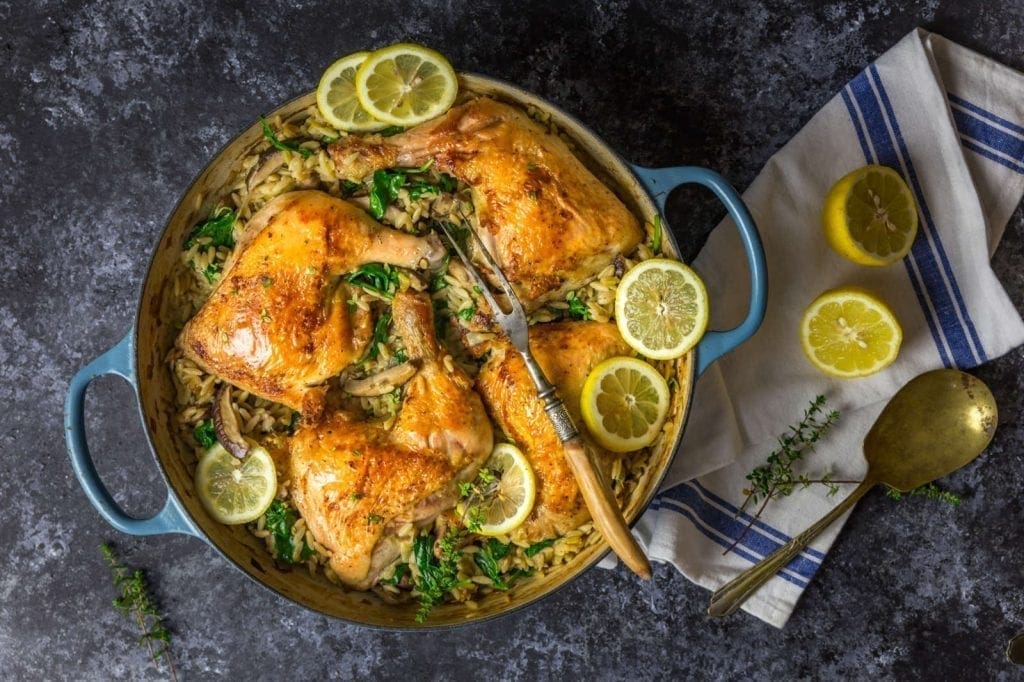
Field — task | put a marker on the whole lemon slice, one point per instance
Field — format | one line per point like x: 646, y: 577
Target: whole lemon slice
x: 870, y: 216
x: 850, y: 332
x: 509, y: 498
x: 661, y: 308
x: 624, y: 404
x: 336, y: 97
x: 406, y: 84
x: 236, y: 491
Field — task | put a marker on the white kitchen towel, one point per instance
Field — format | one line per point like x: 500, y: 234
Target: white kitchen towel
x: 952, y: 123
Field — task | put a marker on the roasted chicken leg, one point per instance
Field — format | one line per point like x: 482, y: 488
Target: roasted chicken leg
x: 567, y: 352
x: 550, y: 224
x: 357, y: 482
x: 277, y: 324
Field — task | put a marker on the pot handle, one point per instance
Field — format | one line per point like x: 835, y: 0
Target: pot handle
x: 116, y: 361
x: 659, y: 182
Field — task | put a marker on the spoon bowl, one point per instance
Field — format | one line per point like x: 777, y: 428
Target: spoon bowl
x: 937, y: 423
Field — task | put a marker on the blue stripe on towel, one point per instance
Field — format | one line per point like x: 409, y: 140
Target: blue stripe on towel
x: 730, y: 527
x: 979, y: 355
x: 988, y: 135
x: 960, y: 101
x: 927, y: 255
x: 729, y: 507
x: 978, y: 149
x: 915, y: 283
x: 714, y: 537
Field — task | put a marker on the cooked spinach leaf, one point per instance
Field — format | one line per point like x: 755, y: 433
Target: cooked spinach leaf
x: 578, y: 310
x: 380, y: 336
x: 278, y: 144
x: 218, y: 227
x: 537, y: 547
x: 438, y: 281
x: 293, y: 424
x: 467, y: 313
x: 391, y: 130
x: 348, y: 188
x: 447, y: 183
x: 212, y: 272
x: 438, y: 576
x: 205, y: 434
x: 420, y: 187
x: 384, y: 190
x: 400, y: 572
x: 377, y: 277
x: 280, y: 520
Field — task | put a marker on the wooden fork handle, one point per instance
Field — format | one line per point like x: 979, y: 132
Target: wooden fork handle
x: 603, y: 508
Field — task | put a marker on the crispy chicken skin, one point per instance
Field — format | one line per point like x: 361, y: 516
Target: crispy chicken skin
x: 355, y: 482
x: 567, y: 352
x: 551, y: 224
x: 277, y: 324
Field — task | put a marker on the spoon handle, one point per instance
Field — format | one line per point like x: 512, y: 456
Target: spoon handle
x: 730, y: 596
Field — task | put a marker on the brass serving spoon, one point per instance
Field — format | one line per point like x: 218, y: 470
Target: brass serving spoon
x: 937, y: 423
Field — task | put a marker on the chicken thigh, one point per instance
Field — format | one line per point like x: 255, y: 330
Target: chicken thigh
x: 277, y: 324
x: 357, y: 482
x: 567, y: 352
x: 550, y: 224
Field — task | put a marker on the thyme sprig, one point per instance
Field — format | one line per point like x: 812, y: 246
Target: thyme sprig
x: 137, y: 604
x: 928, y: 490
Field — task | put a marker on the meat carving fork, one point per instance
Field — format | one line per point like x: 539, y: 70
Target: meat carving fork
x: 596, y: 492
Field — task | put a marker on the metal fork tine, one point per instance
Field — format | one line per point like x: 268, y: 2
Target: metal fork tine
x: 499, y: 314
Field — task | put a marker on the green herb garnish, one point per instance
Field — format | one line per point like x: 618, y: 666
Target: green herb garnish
x: 219, y: 227
x: 137, y: 604
x: 538, y: 547
x: 205, y: 434
x: 279, y: 521
x: 378, y: 277
x: 391, y: 130
x: 467, y: 313
x: 278, y: 144
x: 438, y: 576
x: 928, y: 490
x: 447, y: 183
x: 578, y: 310
x: 420, y: 187
x: 400, y: 356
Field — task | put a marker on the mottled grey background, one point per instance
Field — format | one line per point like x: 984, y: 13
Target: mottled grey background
x: 107, y: 112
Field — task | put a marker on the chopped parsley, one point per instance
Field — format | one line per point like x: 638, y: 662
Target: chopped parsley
x: 578, y: 310
x: 212, y: 272
x: 279, y: 521
x: 466, y: 314
x: 219, y: 228
x: 377, y: 277
x: 278, y: 144
x: 205, y: 434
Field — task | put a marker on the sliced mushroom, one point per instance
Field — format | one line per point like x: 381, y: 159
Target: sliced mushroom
x: 381, y: 382
x: 225, y: 423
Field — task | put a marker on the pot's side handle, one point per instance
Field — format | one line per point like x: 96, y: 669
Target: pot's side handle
x: 116, y: 361
x: 659, y: 182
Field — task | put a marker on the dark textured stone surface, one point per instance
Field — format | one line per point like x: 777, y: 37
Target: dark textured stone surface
x: 109, y: 109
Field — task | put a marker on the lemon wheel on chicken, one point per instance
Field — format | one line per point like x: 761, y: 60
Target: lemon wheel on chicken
x: 511, y: 501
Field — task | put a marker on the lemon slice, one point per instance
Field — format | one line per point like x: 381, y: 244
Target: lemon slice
x: 661, y: 308
x: 233, y: 490
x: 850, y: 332
x: 336, y: 97
x: 406, y: 84
x: 624, y: 404
x: 507, y: 507
x: 870, y: 216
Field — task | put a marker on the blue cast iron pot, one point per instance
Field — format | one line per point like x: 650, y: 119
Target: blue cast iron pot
x: 139, y: 359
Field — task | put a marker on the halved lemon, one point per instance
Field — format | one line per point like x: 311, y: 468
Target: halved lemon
x: 870, y: 216
x: 236, y: 491
x: 850, y: 332
x: 512, y: 501
x: 336, y: 97
x: 406, y: 84
x: 624, y: 404
x: 661, y: 308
